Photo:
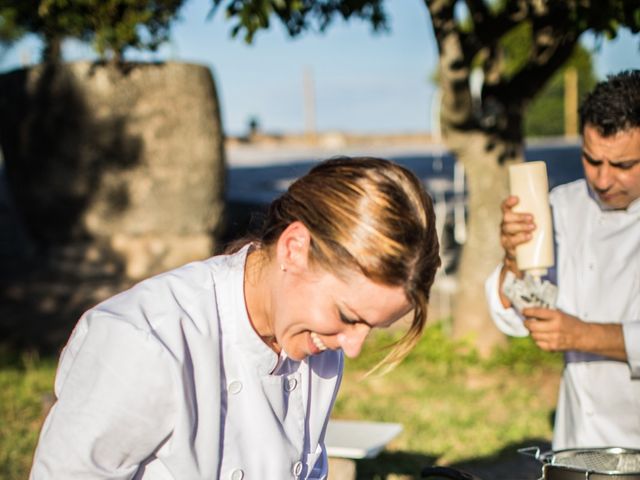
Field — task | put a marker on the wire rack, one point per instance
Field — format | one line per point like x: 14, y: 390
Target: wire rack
x: 606, y: 461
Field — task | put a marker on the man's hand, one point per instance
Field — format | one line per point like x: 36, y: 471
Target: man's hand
x: 515, y: 229
x: 557, y: 331
x: 554, y: 330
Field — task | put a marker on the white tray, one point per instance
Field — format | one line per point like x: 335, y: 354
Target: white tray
x: 359, y: 439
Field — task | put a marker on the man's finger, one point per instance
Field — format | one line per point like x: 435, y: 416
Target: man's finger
x: 538, y: 312
x: 508, y: 203
x: 518, y: 217
x: 510, y: 242
x: 512, y: 228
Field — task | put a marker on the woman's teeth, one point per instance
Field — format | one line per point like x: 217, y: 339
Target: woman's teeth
x: 317, y: 342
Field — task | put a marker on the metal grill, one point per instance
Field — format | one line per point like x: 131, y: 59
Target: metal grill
x: 613, y: 460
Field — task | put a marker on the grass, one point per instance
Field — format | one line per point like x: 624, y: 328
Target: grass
x: 455, y: 407
x: 26, y: 381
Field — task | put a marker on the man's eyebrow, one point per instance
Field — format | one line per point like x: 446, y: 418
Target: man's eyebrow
x: 596, y: 160
x: 589, y: 157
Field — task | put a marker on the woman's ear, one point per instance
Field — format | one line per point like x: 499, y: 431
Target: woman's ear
x: 292, y: 248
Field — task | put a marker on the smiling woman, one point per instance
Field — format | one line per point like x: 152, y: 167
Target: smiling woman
x: 354, y: 239
x: 229, y: 367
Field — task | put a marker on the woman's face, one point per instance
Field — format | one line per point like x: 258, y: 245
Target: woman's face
x: 317, y: 310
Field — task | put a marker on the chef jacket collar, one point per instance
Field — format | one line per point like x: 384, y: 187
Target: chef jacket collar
x: 634, y: 207
x: 231, y: 293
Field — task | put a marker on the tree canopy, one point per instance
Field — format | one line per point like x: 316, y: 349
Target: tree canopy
x: 297, y: 16
x: 110, y: 25
x: 545, y: 114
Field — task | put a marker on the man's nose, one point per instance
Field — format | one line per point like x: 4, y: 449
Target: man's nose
x: 604, y: 177
x: 351, y: 341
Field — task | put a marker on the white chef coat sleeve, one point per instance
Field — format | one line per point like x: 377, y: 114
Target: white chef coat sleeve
x: 506, y: 319
x: 631, y: 334
x: 114, y: 403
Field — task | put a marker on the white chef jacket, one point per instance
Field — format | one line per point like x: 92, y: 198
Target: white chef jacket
x: 598, y: 277
x: 169, y: 380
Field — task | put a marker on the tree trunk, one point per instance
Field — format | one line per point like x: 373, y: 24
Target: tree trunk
x: 52, y: 51
x: 487, y: 187
x: 486, y: 133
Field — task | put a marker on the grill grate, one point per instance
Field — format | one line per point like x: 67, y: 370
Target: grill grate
x: 604, y: 461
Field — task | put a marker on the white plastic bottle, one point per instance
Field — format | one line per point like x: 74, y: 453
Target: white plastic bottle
x: 528, y: 181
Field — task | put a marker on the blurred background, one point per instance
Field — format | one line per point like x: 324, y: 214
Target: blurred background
x: 137, y: 136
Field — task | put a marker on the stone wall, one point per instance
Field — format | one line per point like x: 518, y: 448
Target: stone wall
x: 130, y: 159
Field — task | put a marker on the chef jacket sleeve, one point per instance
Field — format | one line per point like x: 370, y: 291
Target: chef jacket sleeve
x: 114, y: 403
x: 506, y: 319
x: 631, y: 333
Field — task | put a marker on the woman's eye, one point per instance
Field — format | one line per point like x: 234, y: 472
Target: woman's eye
x: 345, y: 319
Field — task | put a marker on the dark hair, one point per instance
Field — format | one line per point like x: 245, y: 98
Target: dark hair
x: 370, y: 215
x: 614, y: 104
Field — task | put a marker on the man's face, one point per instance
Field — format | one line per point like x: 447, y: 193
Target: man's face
x: 612, y: 165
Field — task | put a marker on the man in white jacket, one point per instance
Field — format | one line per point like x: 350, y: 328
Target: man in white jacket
x: 596, y: 322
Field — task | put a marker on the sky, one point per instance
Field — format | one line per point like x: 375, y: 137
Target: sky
x: 362, y: 82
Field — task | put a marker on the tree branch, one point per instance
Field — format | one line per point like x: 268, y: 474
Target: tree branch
x: 489, y: 27
x: 454, y: 65
x: 478, y: 11
x: 553, y: 43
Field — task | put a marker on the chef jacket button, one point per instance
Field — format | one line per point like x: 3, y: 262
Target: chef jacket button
x: 234, y: 388
x: 237, y: 474
x: 291, y: 385
x: 297, y: 469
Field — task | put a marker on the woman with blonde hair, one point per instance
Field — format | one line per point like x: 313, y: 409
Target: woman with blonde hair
x: 228, y: 368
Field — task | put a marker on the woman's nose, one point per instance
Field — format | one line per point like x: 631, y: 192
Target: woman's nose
x: 351, y: 341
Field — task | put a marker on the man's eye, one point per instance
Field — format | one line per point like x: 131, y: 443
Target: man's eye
x: 591, y: 161
x: 625, y: 165
x: 345, y: 319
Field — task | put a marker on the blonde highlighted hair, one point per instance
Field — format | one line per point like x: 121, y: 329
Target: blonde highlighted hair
x: 371, y: 215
